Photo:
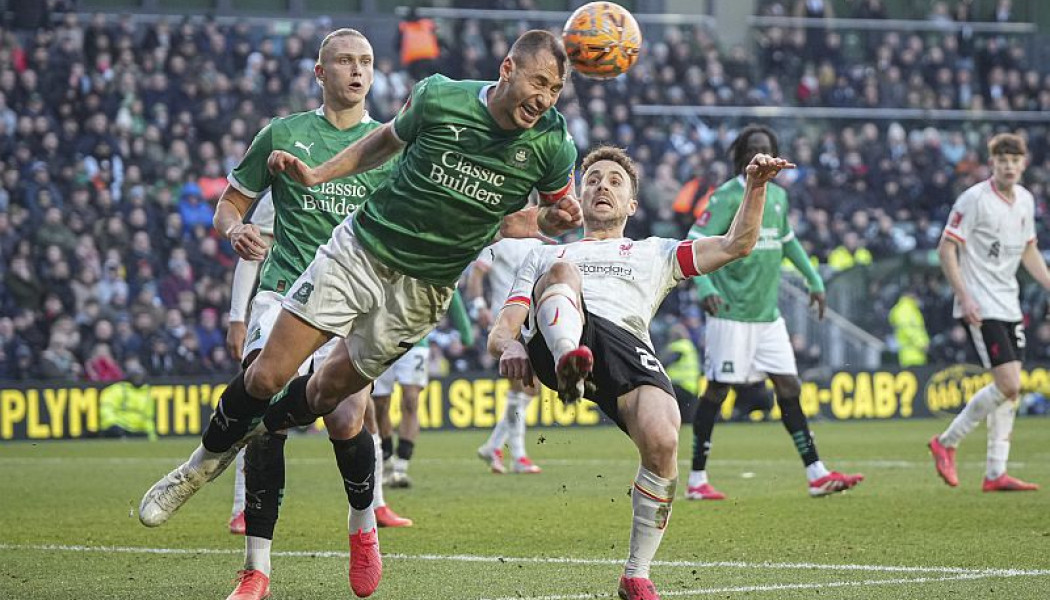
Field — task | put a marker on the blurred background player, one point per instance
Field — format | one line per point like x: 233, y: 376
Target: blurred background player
x: 587, y: 334
x: 498, y: 265
x: 300, y: 220
x: 747, y: 339
x: 989, y: 234
x: 411, y: 371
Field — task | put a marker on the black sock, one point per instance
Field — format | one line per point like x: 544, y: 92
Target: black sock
x: 703, y: 426
x: 290, y: 408
x: 388, y: 447
x: 357, y: 464
x: 263, y: 483
x: 795, y: 423
x: 236, y: 414
x: 405, y: 448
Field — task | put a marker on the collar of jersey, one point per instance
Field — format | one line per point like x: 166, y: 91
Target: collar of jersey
x: 365, y: 118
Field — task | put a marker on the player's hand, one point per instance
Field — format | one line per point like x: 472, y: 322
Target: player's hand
x: 712, y: 303
x: 283, y: 162
x: 514, y: 364
x: 561, y: 216
x: 971, y: 313
x: 235, y: 339
x: 821, y: 300
x: 247, y: 241
x: 763, y: 168
x: 484, y: 318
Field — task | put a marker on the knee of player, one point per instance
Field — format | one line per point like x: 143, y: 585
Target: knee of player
x: 1009, y: 387
x: 787, y: 387
x: 262, y: 382
x: 715, y: 393
x: 564, y: 272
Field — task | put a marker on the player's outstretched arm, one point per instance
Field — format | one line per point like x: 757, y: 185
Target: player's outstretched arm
x: 544, y: 222
x: 711, y: 253
x: 246, y: 239
x: 948, y: 252
x: 363, y: 155
x: 503, y: 344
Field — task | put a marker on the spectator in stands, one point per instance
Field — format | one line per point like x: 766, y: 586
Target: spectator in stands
x: 126, y: 408
x: 909, y: 330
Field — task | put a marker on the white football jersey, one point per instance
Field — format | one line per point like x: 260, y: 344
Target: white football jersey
x: 992, y: 233
x: 624, y: 280
x: 503, y: 259
x: 262, y: 214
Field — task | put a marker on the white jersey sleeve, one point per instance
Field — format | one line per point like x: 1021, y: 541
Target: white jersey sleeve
x: 503, y: 259
x: 245, y: 274
x: 262, y: 213
x: 961, y: 220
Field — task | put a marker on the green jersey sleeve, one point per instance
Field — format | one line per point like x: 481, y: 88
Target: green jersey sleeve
x: 409, y: 120
x: 251, y: 177
x: 559, y: 178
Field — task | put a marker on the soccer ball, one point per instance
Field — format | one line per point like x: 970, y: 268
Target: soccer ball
x: 603, y: 39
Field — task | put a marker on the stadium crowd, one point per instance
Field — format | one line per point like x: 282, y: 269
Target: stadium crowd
x: 116, y: 137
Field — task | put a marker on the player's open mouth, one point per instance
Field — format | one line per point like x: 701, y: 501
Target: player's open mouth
x: 357, y: 86
x: 531, y: 114
x: 603, y: 200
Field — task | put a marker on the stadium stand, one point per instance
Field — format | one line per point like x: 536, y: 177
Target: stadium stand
x: 116, y: 135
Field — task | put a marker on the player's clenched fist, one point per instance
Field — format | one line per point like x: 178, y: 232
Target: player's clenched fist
x: 514, y: 364
x: 764, y: 168
x: 561, y: 216
x: 283, y: 162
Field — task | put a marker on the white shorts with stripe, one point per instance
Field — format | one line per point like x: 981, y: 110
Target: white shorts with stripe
x: 380, y: 312
x: 743, y: 352
x: 263, y: 314
x: 410, y: 369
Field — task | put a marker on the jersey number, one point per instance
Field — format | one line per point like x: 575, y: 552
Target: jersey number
x: 648, y: 360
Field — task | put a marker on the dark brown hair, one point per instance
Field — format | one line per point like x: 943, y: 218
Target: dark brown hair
x: 1007, y: 143
x: 618, y: 156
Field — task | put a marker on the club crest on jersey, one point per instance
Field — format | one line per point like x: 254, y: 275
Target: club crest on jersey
x: 625, y: 249
x: 520, y: 158
x: 956, y: 220
x: 704, y: 219
x: 302, y: 294
x: 727, y: 366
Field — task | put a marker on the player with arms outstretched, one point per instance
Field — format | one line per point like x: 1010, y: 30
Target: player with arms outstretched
x: 746, y: 338
x: 471, y: 152
x: 583, y: 311
x: 990, y: 233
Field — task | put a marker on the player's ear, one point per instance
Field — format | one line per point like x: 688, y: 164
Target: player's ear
x: 319, y: 74
x: 632, y: 207
x: 506, y: 68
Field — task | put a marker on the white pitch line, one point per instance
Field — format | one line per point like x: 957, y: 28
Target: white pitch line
x: 770, y: 588
x: 984, y: 572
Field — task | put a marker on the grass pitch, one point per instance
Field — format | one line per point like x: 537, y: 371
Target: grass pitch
x: 68, y: 527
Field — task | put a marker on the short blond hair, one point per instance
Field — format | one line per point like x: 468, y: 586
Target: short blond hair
x: 341, y: 32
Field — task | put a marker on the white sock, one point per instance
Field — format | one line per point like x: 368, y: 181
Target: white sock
x: 238, y: 485
x: 816, y: 470
x: 559, y: 320
x: 377, y: 491
x: 980, y: 406
x: 361, y: 520
x: 517, y: 403
x: 400, y: 465
x: 651, y: 499
x: 1000, y: 425
x: 500, y: 431
x: 257, y: 554
x: 697, y: 478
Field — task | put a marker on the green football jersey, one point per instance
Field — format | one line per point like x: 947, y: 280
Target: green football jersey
x: 458, y: 176
x: 750, y: 285
x: 304, y: 217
